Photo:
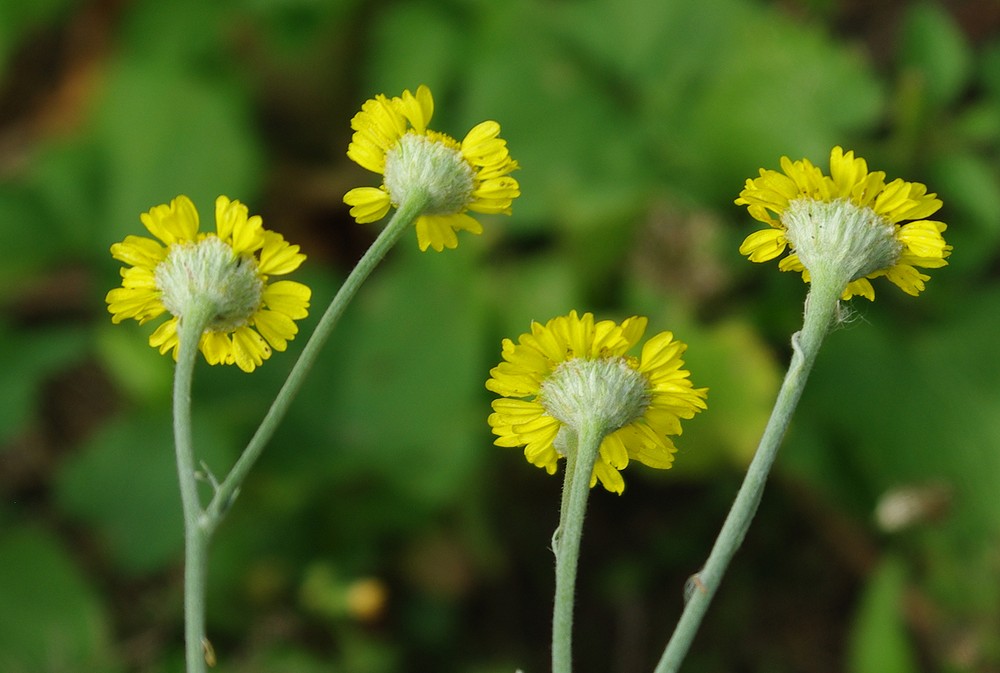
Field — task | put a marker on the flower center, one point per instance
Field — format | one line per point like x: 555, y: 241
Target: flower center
x: 840, y: 238
x: 209, y: 271
x: 606, y: 391
x: 433, y: 165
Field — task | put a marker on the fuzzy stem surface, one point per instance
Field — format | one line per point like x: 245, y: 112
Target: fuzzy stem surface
x: 196, y: 536
x: 401, y: 221
x: 200, y: 523
x: 820, y: 312
x: 576, y: 488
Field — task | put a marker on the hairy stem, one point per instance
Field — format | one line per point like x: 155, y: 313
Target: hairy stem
x: 576, y: 487
x: 401, y: 221
x: 820, y: 311
x: 196, y: 535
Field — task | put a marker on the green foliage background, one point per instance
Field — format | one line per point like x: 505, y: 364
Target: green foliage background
x: 636, y: 123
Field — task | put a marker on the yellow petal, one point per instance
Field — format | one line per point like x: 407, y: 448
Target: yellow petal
x: 907, y: 278
x: 923, y: 239
x: 276, y: 328
x: 249, y: 349
x: 217, y: 348
x: 417, y: 109
x: 859, y: 287
x: 660, y: 352
x: 165, y: 337
x: 610, y: 478
x: 277, y: 256
x: 139, y: 251
x: 368, y: 204
x: 433, y: 231
x: 288, y: 297
x: 173, y: 223
x: 613, y: 452
x: 234, y: 226
x: 764, y: 245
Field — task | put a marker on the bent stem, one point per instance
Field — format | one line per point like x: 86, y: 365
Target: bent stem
x: 820, y: 311
x: 196, y: 534
x: 199, y: 523
x: 566, y: 542
x: 227, y: 491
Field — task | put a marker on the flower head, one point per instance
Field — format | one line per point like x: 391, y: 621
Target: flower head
x: 230, y: 268
x: 572, y: 371
x: 391, y: 138
x: 851, y: 226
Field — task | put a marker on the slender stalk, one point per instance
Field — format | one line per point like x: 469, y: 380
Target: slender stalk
x: 576, y: 488
x: 820, y: 311
x: 195, y: 534
x: 200, y: 524
x: 401, y: 220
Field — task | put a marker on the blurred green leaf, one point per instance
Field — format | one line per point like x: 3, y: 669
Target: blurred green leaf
x: 989, y: 67
x: 358, y: 652
x: 123, y: 482
x: 412, y: 45
x: 27, y: 359
x: 710, y: 114
x: 979, y: 124
x: 601, y: 99
x: 287, y: 660
x: 19, y: 19
x: 714, y: 116
x: 137, y: 368
x: 970, y: 188
x: 189, y: 34
x: 50, y: 618
x: 28, y: 241
x: 565, y: 131
x: 293, y: 26
x: 934, y: 46
x: 166, y: 132
x: 739, y: 371
x: 407, y: 357
x: 66, y: 186
x: 879, y: 642
x: 48, y: 214
x: 743, y: 379
x: 525, y: 288
x: 884, y: 404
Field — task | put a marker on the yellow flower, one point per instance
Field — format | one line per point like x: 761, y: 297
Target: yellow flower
x: 230, y: 268
x: 572, y: 371
x: 851, y: 224
x: 391, y: 138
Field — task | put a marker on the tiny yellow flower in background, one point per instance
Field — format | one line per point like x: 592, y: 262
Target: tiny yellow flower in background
x: 572, y: 371
x: 391, y: 138
x: 850, y: 224
x: 231, y: 268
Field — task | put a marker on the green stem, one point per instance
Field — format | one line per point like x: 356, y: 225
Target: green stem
x: 195, y: 533
x: 403, y: 218
x: 820, y: 311
x: 576, y: 488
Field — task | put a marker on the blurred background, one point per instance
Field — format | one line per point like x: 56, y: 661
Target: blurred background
x: 382, y: 532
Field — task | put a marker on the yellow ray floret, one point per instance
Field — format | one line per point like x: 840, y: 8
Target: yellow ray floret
x: 524, y: 417
x: 266, y: 318
x: 476, y: 175
x: 773, y: 196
